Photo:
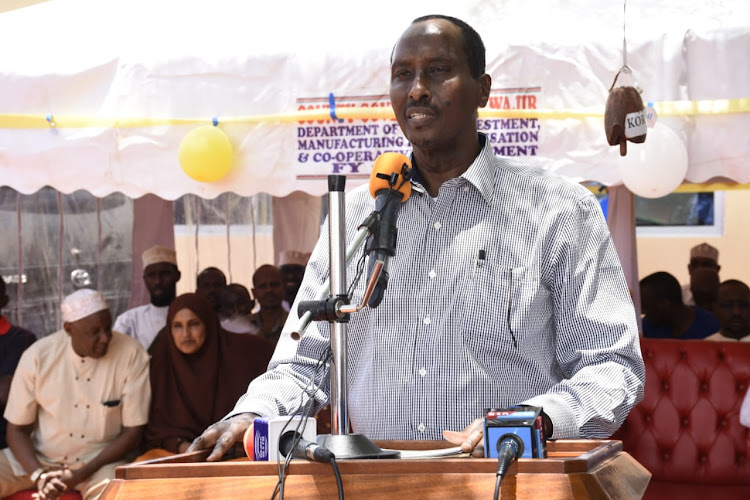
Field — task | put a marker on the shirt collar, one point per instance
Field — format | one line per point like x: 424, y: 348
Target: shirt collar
x: 4, y: 325
x: 480, y: 174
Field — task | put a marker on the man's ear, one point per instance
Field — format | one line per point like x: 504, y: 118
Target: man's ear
x: 67, y: 328
x: 3, y: 300
x: 179, y: 275
x: 485, y: 84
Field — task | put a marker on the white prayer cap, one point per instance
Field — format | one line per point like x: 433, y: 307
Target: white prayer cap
x: 82, y: 303
x: 157, y: 254
x: 705, y: 251
x: 288, y: 257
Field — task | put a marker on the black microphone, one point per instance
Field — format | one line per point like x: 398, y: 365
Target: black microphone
x: 292, y: 441
x: 509, y: 448
x: 513, y: 433
x: 390, y: 186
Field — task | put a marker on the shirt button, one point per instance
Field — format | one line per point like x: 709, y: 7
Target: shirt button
x: 421, y: 427
x: 432, y: 274
x: 466, y: 189
x: 75, y: 405
x: 422, y: 371
x: 427, y: 320
x: 437, y: 225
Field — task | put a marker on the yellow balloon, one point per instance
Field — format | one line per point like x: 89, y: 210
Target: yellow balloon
x: 205, y: 154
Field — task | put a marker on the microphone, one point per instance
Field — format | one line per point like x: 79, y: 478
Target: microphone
x: 390, y: 186
x: 524, y: 422
x: 292, y: 442
x: 261, y: 438
x: 509, y: 448
x: 512, y: 433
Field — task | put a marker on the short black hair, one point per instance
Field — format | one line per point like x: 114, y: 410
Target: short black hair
x: 664, y: 285
x: 473, y: 45
x: 208, y: 270
x: 724, y: 283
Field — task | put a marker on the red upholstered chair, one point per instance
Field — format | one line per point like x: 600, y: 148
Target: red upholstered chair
x: 26, y: 495
x: 686, y: 431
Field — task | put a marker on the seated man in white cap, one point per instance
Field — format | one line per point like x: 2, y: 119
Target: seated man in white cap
x: 160, y: 274
x: 78, y: 404
x: 703, y: 256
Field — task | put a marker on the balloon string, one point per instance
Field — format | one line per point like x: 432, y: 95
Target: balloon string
x: 624, y: 39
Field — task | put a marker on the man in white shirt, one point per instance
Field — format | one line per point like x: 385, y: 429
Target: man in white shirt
x: 505, y: 289
x: 160, y: 274
x: 732, y: 309
x: 77, y: 405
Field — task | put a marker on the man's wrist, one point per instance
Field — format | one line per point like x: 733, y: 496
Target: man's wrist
x: 34, y: 476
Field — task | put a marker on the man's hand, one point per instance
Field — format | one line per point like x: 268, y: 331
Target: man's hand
x: 222, y: 435
x: 54, y: 483
x: 471, y: 438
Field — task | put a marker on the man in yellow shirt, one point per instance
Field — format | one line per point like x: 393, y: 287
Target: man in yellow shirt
x: 78, y: 403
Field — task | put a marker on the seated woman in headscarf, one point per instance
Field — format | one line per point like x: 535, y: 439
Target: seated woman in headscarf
x: 198, y: 371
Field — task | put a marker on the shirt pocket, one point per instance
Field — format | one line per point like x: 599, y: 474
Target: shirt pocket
x: 110, y: 420
x: 502, y: 308
x: 531, y: 308
x: 483, y: 304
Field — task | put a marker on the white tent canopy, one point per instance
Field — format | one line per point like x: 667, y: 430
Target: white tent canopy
x: 115, y: 78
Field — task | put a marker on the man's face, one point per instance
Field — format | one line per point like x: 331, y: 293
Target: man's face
x: 161, y: 281
x: 704, y: 285
x: 267, y: 288
x: 90, y: 336
x: 702, y: 263
x: 732, y: 309
x: 209, y: 283
x: 653, y: 307
x: 291, y: 275
x: 235, y: 299
x: 433, y: 94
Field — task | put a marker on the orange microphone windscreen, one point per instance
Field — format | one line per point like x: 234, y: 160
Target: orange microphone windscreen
x: 387, y: 164
x: 248, y: 442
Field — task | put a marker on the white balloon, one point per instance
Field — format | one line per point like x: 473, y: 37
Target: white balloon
x: 656, y: 167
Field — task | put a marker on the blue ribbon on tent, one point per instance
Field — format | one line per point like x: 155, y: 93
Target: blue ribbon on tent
x: 332, y: 105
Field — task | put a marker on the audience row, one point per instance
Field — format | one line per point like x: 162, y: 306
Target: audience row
x: 703, y: 309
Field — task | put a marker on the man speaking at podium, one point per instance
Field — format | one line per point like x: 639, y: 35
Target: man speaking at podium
x: 505, y: 287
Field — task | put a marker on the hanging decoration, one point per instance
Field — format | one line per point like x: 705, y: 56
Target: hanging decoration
x: 658, y: 167
x: 205, y: 153
x: 624, y: 116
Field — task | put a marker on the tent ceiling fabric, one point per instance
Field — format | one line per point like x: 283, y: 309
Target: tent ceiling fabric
x: 142, y: 60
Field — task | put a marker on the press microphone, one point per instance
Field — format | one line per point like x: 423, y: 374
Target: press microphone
x: 261, y: 440
x: 390, y: 186
x: 292, y: 442
x: 512, y: 433
x: 509, y: 448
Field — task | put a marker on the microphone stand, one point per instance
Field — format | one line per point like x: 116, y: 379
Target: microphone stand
x: 336, y: 310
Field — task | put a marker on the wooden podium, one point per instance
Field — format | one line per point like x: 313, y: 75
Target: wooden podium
x: 574, y: 469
